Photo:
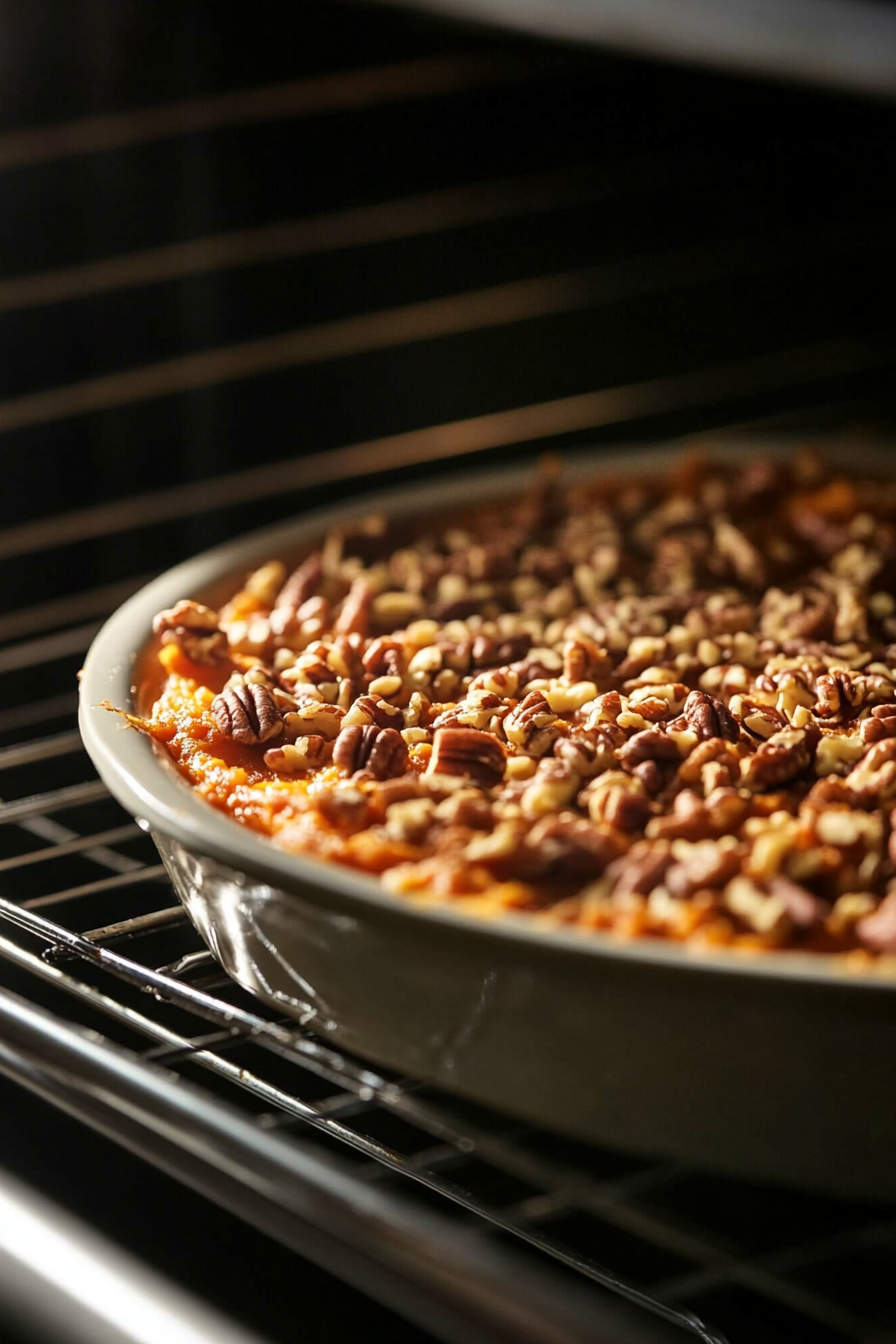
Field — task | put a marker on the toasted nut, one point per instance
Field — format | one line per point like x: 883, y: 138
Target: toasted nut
x: 409, y: 821
x: 393, y: 609
x: 466, y: 751
x: 265, y: 583
x: 385, y: 686
x: 314, y: 718
x: 193, y: 628
x: 380, y: 751
x: 565, y: 699
x: 247, y: 714
x: 306, y: 753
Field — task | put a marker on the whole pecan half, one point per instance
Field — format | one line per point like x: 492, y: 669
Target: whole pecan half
x: 248, y: 714
x: 467, y: 751
x: 382, y: 752
x: 710, y: 717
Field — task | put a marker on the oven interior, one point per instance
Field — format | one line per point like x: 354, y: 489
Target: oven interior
x: 253, y: 266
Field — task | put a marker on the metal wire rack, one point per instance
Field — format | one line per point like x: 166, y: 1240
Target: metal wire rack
x: 112, y: 1008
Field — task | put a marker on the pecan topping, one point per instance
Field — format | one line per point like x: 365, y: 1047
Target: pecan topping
x: 878, y: 930
x: 532, y: 725
x: 355, y: 614
x: 569, y: 847
x: 466, y: 751
x: 710, y: 717
x: 296, y: 591
x: 595, y: 686
x: 248, y: 714
x: 194, y: 629
x: 649, y: 745
x: 780, y: 759
x: 382, y: 752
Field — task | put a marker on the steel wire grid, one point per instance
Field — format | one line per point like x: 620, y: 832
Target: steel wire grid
x: 92, y: 938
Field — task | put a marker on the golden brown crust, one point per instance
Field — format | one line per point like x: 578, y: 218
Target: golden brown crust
x: 661, y: 708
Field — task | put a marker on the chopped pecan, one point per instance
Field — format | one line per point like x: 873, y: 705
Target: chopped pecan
x: 744, y: 558
x: 588, y: 750
x: 707, y: 864
x: 804, y: 909
x: 354, y: 617
x: 649, y: 745
x: 476, y: 711
x: 306, y: 753
x: 641, y: 869
x: 467, y: 808
x: 570, y: 847
x: 383, y: 657
x: 877, y: 931
x: 488, y: 652
x: 779, y: 760
x: 467, y: 751
x: 533, y: 669
x: 374, y: 709
x: 313, y: 717
x: 532, y: 726
x: 583, y: 659
x: 625, y: 811
x: 345, y: 807
x: 710, y: 717
x: 880, y: 725
x: 194, y: 629
x: 382, y: 752
x: 248, y: 714
x: 296, y: 591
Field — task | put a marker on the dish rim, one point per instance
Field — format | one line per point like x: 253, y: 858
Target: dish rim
x: 148, y: 785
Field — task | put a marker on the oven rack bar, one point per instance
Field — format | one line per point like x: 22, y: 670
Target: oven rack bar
x: 433, y: 1275
x: 355, y: 1084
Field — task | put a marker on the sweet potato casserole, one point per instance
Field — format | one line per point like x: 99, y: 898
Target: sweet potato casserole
x: 657, y: 707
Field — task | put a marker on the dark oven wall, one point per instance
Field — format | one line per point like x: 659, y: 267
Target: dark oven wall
x: 231, y: 238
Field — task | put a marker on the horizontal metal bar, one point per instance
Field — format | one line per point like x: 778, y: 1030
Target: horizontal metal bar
x: 801, y: 366
x: 38, y: 711
x: 384, y: 221
x: 74, y: 1287
x: 154, y: 873
x: 99, y: 840
x: 39, y: 804
x: 140, y: 924
x: 34, y: 652
x: 63, y: 610
x: 435, y: 318
x: 329, y: 1118
x: 24, y: 753
x: 401, y: 82
x: 459, y: 1286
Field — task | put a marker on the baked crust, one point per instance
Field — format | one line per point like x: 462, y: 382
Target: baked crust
x: 660, y: 708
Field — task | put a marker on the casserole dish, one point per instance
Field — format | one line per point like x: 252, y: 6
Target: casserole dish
x: 777, y: 1066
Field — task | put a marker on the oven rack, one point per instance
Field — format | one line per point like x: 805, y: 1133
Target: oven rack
x: 111, y: 1008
